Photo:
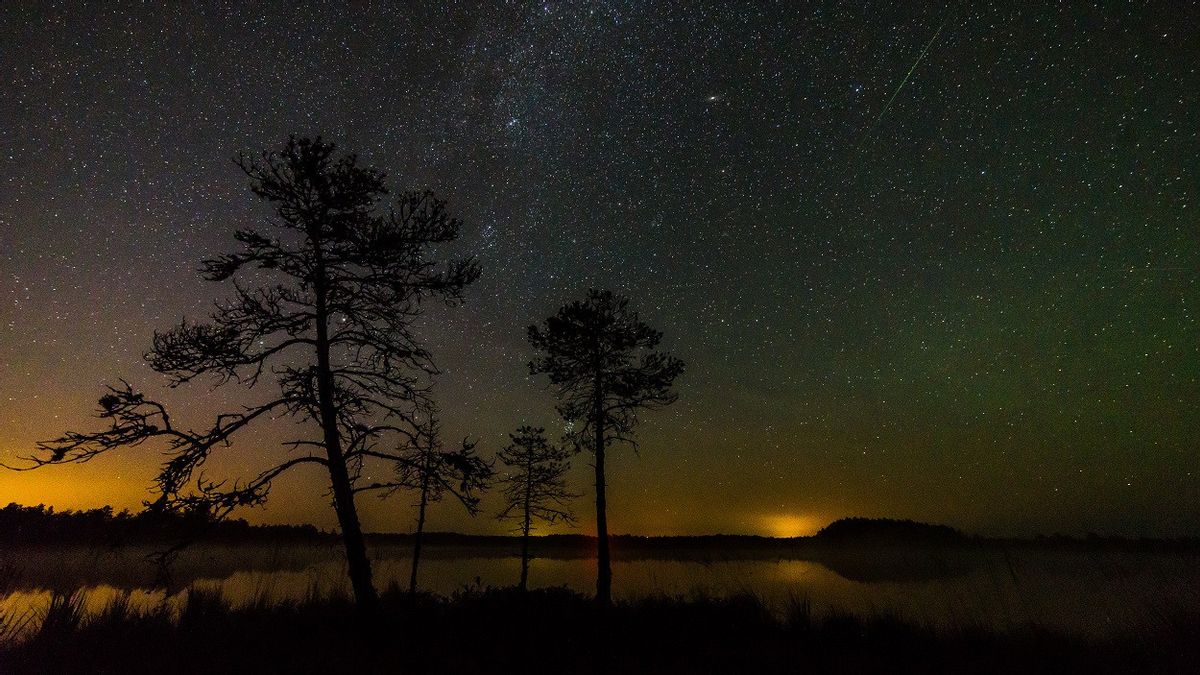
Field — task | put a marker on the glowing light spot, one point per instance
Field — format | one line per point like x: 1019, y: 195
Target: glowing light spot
x: 790, y: 525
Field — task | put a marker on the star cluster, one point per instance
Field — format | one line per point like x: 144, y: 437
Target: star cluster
x: 957, y: 286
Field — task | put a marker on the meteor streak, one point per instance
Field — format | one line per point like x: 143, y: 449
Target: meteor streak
x: 904, y: 81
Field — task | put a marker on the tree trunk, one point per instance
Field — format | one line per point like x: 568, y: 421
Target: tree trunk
x: 416, y: 559
x: 604, y: 566
x: 357, y: 563
x: 525, y: 528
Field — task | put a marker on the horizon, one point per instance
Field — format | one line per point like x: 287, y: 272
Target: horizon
x: 572, y: 532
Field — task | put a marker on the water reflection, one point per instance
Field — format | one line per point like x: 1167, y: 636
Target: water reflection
x: 1082, y: 593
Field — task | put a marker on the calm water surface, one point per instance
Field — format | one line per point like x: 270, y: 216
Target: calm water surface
x: 1082, y: 593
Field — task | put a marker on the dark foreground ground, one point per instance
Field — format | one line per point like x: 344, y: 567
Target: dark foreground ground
x: 559, y: 631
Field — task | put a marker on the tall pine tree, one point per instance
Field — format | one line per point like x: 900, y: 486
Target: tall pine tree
x: 603, y: 368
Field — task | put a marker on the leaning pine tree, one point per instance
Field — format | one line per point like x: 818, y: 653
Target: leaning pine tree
x: 603, y: 367
x: 323, y: 305
x: 535, y: 486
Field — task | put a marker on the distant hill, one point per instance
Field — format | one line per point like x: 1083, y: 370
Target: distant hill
x: 887, y: 531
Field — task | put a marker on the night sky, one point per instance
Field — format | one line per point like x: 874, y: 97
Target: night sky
x: 922, y: 263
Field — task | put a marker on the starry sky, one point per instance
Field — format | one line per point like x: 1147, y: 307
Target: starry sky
x: 923, y: 262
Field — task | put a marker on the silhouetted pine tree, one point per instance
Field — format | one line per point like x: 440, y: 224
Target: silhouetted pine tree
x: 535, y: 486
x: 424, y: 465
x: 323, y: 305
x: 602, y: 366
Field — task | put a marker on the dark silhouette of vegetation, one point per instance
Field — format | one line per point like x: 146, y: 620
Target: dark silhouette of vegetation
x: 424, y: 465
x: 600, y: 359
x: 535, y: 486
x: 338, y: 284
x: 42, y: 525
x: 489, y: 631
x: 887, y: 530
x: 39, y: 525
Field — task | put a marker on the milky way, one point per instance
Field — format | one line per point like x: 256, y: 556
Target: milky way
x: 982, y: 314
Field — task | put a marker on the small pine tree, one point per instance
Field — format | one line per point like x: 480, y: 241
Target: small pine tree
x: 535, y: 486
x: 428, y: 468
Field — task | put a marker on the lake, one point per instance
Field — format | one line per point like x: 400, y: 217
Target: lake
x: 1087, y: 593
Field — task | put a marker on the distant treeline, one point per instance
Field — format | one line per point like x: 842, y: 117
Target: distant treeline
x: 31, y: 525
x: 43, y: 525
x: 881, y: 530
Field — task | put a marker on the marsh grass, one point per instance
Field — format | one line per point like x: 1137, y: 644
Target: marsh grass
x: 555, y: 630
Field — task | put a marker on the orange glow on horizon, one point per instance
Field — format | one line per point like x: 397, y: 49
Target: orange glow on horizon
x: 790, y: 524
x: 46, y: 486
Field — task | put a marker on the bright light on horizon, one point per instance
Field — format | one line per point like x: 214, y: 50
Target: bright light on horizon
x: 790, y: 524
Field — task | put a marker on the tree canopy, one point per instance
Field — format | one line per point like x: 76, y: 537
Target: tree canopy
x: 323, y: 304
